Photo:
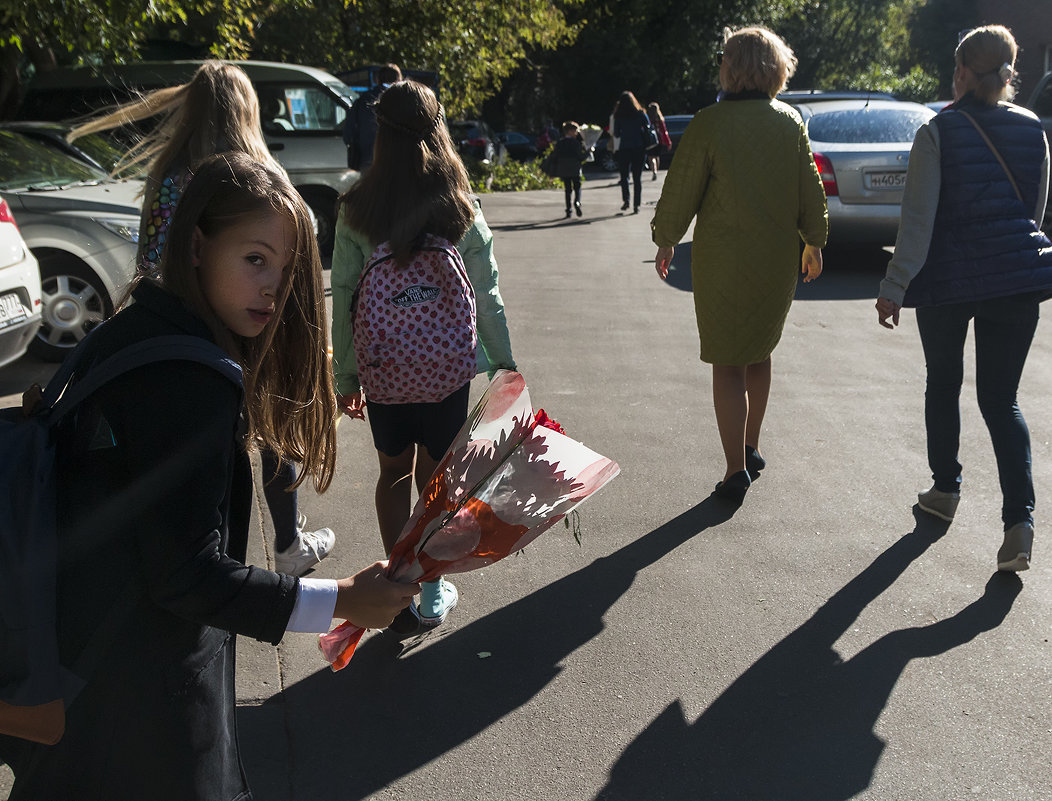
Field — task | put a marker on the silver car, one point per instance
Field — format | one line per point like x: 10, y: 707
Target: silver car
x: 83, y: 229
x: 862, y: 149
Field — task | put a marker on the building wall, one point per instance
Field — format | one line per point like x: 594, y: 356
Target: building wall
x: 1031, y: 23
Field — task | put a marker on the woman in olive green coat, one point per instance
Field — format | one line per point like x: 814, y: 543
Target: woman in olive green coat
x: 744, y: 168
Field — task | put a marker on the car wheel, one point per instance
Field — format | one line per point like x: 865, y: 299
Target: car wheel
x: 75, y: 301
x: 323, y: 205
x: 607, y: 162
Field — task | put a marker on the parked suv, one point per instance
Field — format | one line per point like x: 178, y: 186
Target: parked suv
x: 302, y: 111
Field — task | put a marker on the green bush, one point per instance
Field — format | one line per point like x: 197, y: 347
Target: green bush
x: 511, y: 176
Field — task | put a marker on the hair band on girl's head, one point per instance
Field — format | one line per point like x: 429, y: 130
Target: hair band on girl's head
x: 1006, y: 72
x: 419, y: 135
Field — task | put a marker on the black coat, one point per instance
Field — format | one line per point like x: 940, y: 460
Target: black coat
x: 155, y: 490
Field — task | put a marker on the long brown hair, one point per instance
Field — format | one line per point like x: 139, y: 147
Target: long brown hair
x: 416, y: 184
x: 290, y: 398
x: 627, y: 105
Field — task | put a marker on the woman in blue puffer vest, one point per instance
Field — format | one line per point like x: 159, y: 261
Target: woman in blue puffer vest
x: 969, y: 249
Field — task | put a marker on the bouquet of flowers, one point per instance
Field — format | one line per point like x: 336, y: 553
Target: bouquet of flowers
x: 510, y: 475
x: 590, y: 134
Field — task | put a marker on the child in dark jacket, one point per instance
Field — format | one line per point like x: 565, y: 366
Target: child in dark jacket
x: 569, y: 153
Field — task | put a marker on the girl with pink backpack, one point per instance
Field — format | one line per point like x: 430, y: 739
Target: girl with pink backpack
x: 417, y: 311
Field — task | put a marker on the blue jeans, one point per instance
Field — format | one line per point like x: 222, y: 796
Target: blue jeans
x: 631, y: 160
x: 1004, y: 329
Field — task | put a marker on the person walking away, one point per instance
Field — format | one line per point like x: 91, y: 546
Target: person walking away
x: 969, y: 249
x: 754, y: 201
x: 415, y: 196
x: 629, y: 124
x: 154, y: 495
x: 570, y: 152
x: 664, y: 144
x: 216, y: 111
x: 359, y: 130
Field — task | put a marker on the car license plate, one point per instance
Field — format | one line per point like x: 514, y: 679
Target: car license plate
x: 11, y: 310
x: 887, y: 180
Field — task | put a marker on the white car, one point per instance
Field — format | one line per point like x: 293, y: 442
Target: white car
x: 83, y: 229
x: 20, y: 302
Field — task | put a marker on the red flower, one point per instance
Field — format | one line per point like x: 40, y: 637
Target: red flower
x: 543, y: 419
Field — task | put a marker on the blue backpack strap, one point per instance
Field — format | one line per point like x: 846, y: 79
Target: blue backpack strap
x: 175, y: 347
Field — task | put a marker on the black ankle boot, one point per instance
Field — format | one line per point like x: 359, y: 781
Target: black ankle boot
x: 754, y: 463
x: 734, y: 488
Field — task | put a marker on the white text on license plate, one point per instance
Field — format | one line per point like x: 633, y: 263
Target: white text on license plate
x: 11, y: 310
x: 887, y: 180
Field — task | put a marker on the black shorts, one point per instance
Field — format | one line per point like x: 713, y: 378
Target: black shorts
x: 434, y: 426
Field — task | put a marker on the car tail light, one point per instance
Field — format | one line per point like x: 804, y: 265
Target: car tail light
x: 825, y: 171
x: 475, y: 143
x: 5, y: 213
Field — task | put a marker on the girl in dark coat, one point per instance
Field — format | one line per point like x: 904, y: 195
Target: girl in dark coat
x: 569, y: 153
x: 629, y: 125
x: 154, y: 492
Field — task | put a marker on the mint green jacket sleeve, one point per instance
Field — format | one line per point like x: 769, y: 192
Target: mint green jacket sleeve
x: 350, y: 252
x: 476, y: 249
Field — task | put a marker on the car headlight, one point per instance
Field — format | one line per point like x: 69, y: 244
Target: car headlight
x: 122, y: 228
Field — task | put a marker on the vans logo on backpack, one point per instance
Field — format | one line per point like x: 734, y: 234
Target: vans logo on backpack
x: 415, y: 295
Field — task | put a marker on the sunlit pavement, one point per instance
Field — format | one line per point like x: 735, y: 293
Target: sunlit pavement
x: 824, y: 641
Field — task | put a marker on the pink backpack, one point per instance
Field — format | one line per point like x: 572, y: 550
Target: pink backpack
x: 414, y: 327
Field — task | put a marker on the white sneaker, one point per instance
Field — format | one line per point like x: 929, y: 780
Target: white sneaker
x: 437, y: 599
x: 309, y: 548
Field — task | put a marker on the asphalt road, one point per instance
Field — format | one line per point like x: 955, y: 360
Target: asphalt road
x: 823, y: 642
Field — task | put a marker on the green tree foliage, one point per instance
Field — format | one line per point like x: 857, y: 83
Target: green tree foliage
x: 38, y: 35
x: 472, y: 45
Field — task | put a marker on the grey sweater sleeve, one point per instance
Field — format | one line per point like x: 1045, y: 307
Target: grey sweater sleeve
x: 920, y: 200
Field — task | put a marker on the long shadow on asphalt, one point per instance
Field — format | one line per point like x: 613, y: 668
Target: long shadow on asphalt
x: 386, y: 717
x: 848, y: 274
x: 558, y: 222
x: 799, y: 723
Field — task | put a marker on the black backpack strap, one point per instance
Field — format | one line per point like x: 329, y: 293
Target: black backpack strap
x: 175, y: 347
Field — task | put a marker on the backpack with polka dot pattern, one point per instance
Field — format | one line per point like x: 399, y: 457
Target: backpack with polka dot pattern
x: 414, y: 326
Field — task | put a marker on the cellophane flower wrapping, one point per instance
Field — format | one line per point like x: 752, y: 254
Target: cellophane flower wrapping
x: 590, y: 134
x: 507, y: 478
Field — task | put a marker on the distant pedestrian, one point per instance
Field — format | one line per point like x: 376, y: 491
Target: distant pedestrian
x: 154, y: 489
x: 404, y: 215
x: 630, y: 125
x: 755, y: 197
x: 216, y: 111
x: 969, y: 248
x: 359, y: 129
x: 664, y: 144
x: 570, y: 153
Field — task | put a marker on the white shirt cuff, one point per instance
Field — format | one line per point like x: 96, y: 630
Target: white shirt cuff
x: 315, y: 605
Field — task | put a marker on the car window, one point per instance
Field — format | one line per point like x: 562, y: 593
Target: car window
x: 26, y: 163
x: 514, y: 138
x: 674, y: 125
x: 99, y: 148
x: 288, y: 110
x: 873, y: 125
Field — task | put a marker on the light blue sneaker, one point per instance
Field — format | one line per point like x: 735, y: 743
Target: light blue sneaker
x: 437, y: 598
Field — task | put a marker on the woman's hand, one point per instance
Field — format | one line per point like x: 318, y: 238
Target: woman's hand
x: 885, y: 309
x: 811, y: 263
x: 370, y: 600
x: 352, y: 405
x: 663, y: 260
